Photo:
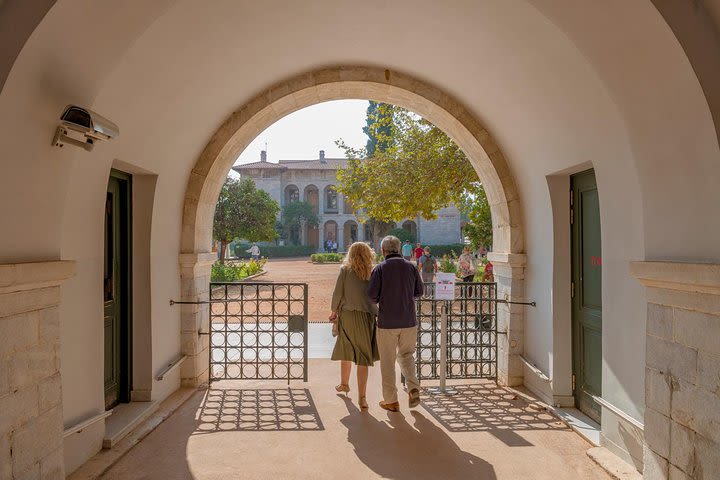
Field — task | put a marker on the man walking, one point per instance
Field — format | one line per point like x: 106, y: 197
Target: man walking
x: 427, y: 265
x: 394, y: 285
x: 254, y: 251
x: 407, y: 250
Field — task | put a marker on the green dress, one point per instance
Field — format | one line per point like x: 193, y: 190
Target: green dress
x: 356, y: 340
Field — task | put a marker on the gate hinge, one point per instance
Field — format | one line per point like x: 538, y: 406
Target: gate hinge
x: 572, y: 216
x: 572, y: 289
x: 573, y: 382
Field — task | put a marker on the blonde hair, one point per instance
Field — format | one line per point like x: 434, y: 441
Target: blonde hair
x: 360, y: 259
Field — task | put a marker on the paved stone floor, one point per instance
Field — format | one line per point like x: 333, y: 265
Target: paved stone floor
x: 264, y: 430
x: 319, y: 277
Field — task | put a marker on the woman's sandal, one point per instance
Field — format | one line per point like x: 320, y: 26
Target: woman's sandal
x: 342, y: 388
x: 363, y: 403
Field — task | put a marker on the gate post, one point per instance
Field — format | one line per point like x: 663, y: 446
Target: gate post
x: 509, y: 271
x: 194, y: 287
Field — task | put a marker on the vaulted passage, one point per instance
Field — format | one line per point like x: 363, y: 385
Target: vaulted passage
x: 535, y: 92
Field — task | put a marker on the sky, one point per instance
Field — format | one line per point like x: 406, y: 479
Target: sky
x: 302, y: 134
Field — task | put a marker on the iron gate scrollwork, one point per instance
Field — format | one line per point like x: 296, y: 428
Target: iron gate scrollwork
x: 258, y: 331
x: 471, y: 337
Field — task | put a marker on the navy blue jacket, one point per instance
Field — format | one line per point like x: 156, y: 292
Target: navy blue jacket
x: 394, y: 285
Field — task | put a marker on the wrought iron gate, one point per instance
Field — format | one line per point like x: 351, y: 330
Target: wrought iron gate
x: 258, y: 331
x: 472, y: 333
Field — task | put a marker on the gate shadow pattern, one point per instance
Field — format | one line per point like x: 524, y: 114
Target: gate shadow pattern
x: 255, y: 410
x: 487, y: 407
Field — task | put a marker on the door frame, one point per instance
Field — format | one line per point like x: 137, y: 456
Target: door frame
x: 126, y: 318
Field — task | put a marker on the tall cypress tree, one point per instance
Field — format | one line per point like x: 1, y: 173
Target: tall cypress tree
x: 378, y: 127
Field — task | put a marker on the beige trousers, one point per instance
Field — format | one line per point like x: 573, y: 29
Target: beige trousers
x: 397, y: 344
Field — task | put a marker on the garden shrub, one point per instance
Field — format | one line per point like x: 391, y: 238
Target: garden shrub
x: 447, y: 264
x: 275, y: 251
x: 235, y: 271
x: 326, y: 257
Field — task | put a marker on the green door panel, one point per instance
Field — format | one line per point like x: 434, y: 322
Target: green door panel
x: 587, y: 297
x: 116, y: 291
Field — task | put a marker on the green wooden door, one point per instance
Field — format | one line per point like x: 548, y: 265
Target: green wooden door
x: 586, y: 293
x: 116, y: 290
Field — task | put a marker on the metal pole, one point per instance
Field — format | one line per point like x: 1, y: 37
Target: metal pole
x: 443, y: 347
x: 443, y: 389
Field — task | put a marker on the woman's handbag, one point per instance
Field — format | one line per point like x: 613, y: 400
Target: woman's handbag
x: 336, y: 320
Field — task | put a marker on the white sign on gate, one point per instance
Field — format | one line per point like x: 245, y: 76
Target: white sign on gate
x: 444, y: 286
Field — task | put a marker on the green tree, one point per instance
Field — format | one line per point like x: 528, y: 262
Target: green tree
x: 293, y: 216
x: 479, y: 227
x: 378, y: 127
x: 420, y: 171
x: 243, y: 211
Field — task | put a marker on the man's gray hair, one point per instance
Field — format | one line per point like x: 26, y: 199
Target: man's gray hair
x: 390, y: 244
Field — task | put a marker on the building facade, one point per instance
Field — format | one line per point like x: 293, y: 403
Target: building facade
x: 315, y: 181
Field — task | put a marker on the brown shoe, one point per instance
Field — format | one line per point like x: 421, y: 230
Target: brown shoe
x: 414, y: 399
x: 390, y: 407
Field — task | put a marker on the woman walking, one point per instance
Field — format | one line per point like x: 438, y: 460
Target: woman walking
x: 466, y: 265
x: 355, y: 317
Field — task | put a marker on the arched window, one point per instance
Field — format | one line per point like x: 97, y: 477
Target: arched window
x: 411, y: 227
x: 311, y: 196
x: 350, y: 233
x: 292, y: 194
x: 331, y: 199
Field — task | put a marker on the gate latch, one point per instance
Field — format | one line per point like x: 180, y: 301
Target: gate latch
x: 296, y: 323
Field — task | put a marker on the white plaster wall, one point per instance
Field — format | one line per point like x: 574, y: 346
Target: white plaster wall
x: 552, y: 86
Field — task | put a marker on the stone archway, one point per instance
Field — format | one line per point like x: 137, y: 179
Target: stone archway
x: 311, y: 194
x: 337, y: 83
x: 411, y: 227
x: 330, y: 233
x: 350, y: 233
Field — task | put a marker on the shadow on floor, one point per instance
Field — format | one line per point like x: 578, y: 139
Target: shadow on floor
x: 258, y: 410
x: 489, y: 408
x: 397, y: 449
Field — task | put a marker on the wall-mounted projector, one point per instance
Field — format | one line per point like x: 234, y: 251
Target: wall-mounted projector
x: 86, y: 123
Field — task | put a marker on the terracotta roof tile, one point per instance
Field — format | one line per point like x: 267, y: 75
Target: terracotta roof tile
x: 260, y: 165
x: 328, y: 164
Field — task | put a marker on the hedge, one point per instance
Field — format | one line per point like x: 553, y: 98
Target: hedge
x: 326, y: 257
x: 276, y: 251
x: 440, y: 250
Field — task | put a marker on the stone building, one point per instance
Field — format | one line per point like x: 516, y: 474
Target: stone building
x: 314, y: 181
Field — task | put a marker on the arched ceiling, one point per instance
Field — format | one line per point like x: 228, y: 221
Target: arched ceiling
x: 558, y: 83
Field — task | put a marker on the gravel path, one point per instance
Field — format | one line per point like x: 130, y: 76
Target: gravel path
x: 319, y: 277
